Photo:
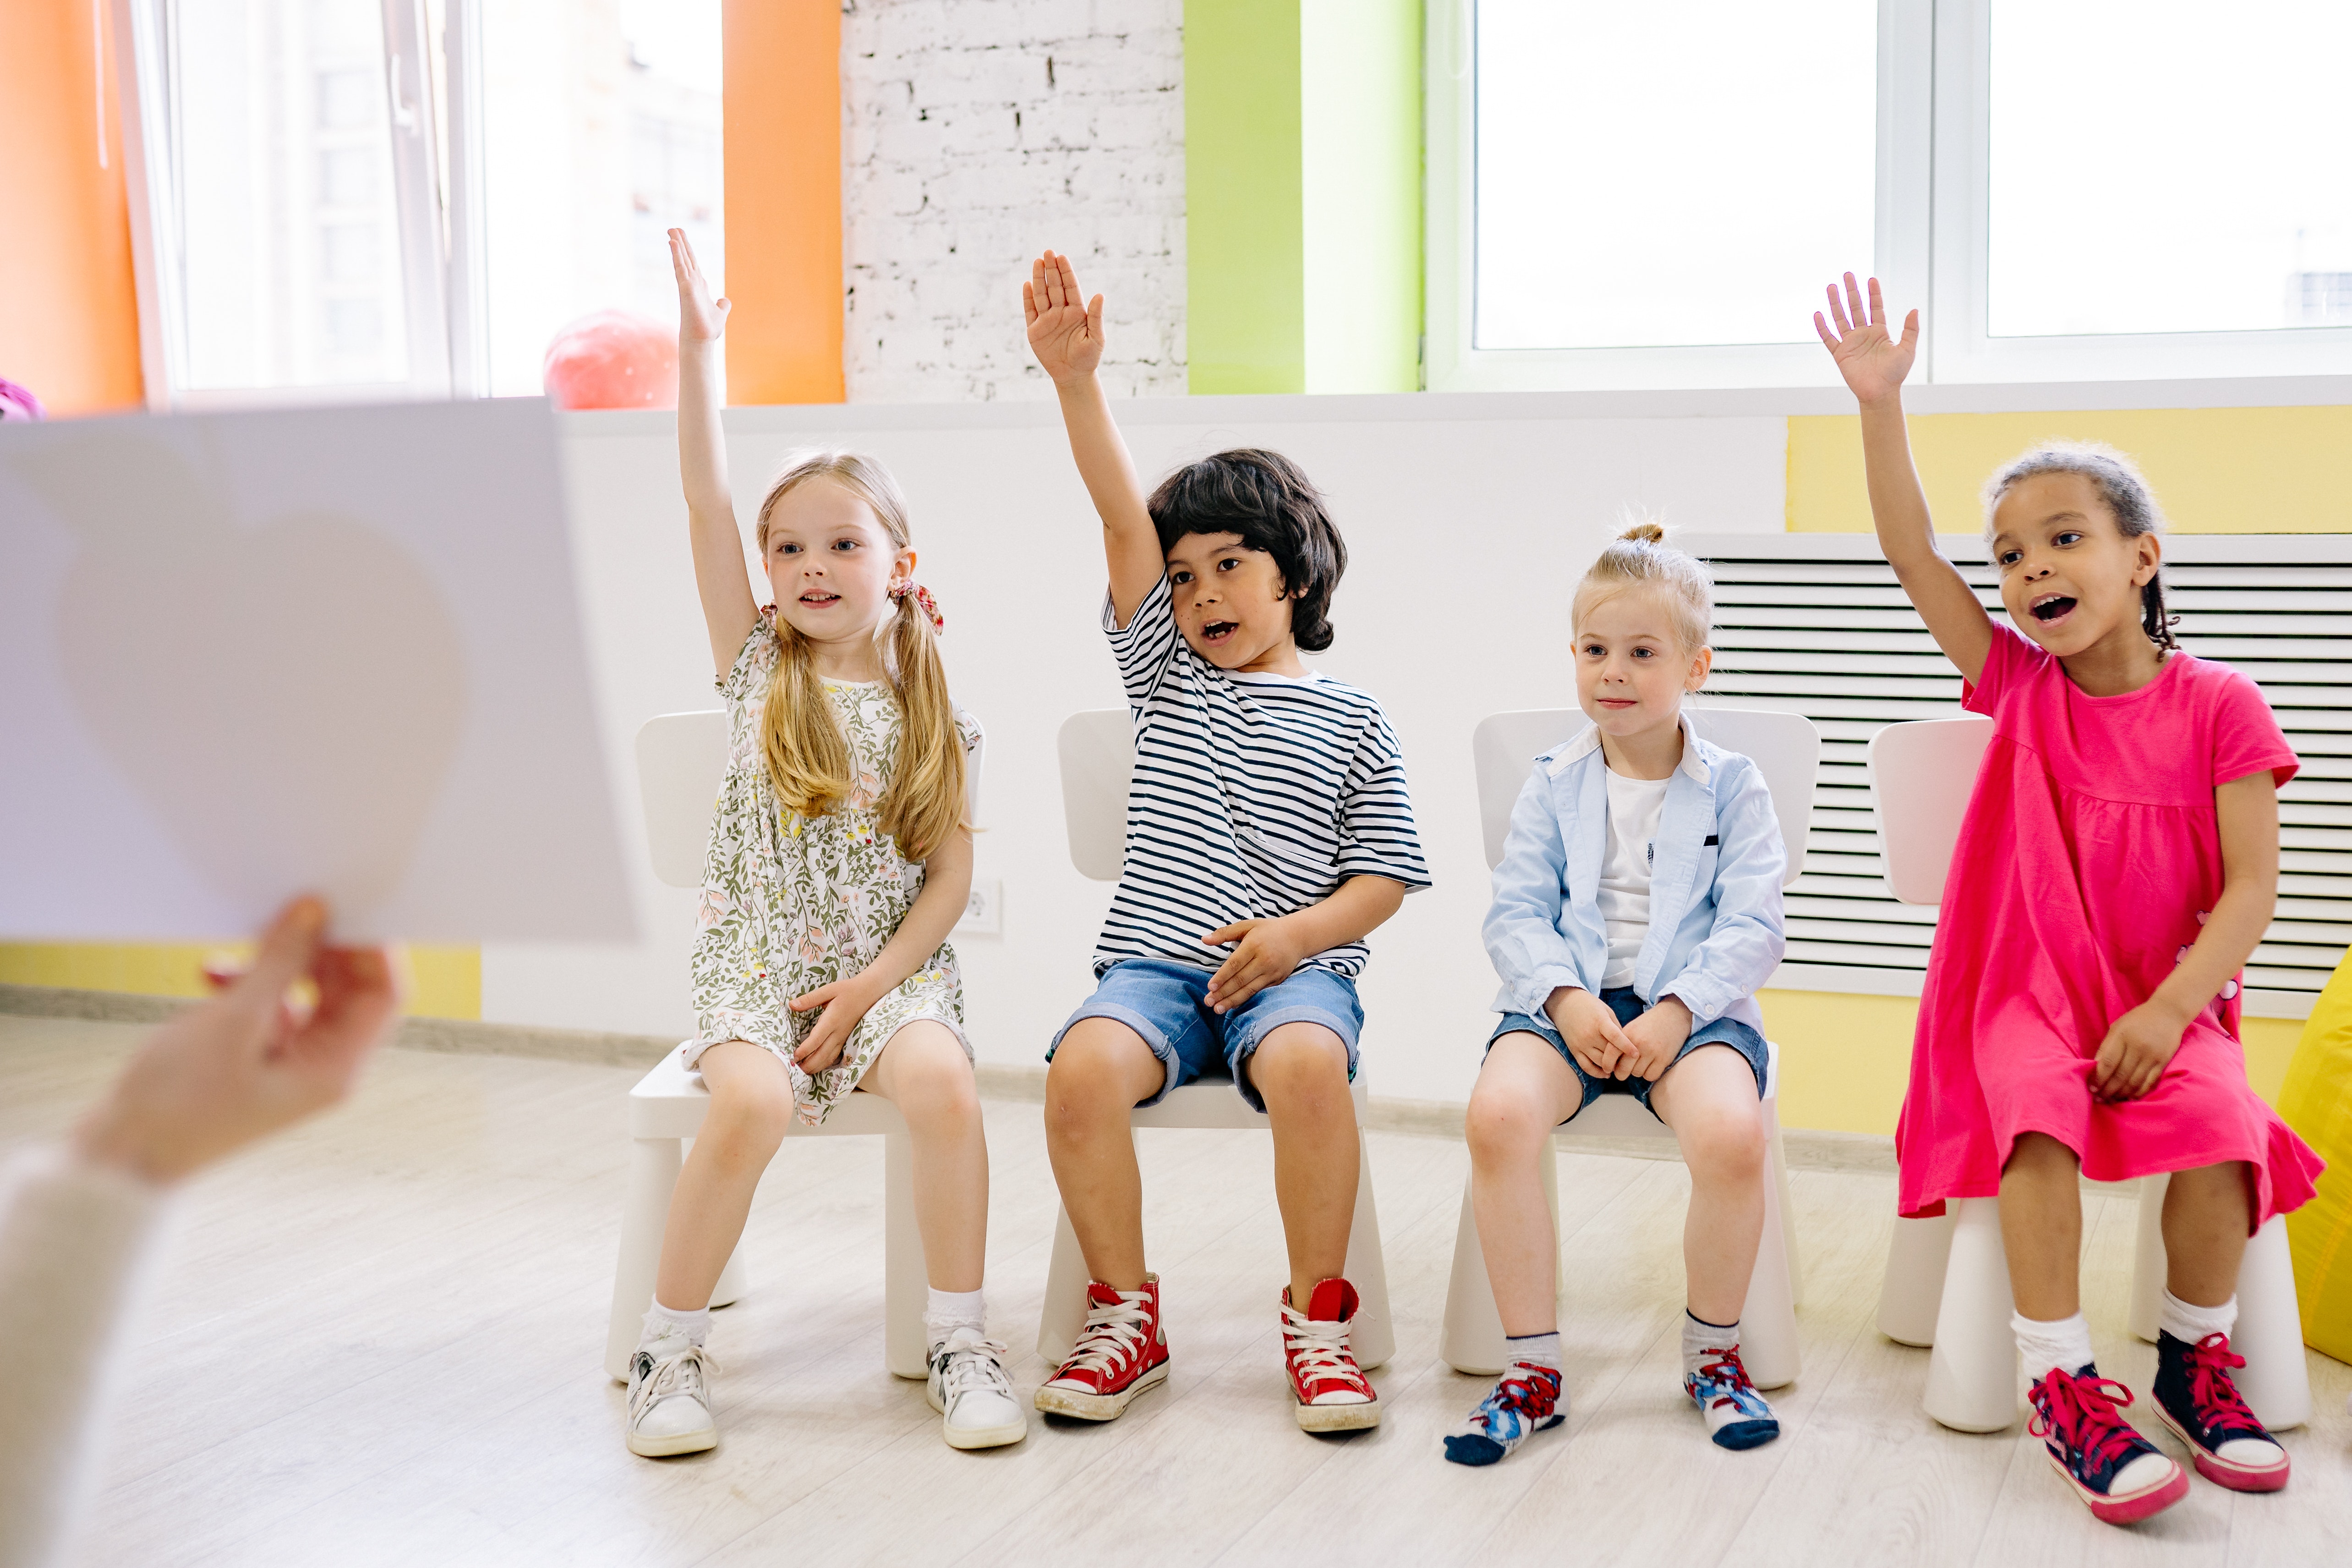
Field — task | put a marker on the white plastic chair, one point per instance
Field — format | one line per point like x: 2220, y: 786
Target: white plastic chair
x: 681, y: 760
x: 1947, y: 1278
x: 1787, y: 749
x: 1098, y: 755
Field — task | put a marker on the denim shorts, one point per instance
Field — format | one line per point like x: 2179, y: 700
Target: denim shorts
x: 1627, y: 1004
x: 1167, y: 1003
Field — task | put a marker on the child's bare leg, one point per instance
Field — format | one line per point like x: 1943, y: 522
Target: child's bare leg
x: 1709, y: 1098
x: 2041, y: 1228
x: 1300, y: 1071
x: 1524, y: 1090
x: 751, y: 1102
x: 1101, y: 1071
x: 2206, y: 1214
x: 923, y: 1070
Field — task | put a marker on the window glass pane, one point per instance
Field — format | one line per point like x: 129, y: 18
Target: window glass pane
x: 290, y: 226
x: 2169, y: 167
x: 1659, y: 174
x: 601, y: 134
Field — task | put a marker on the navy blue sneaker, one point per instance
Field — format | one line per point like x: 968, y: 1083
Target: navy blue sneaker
x: 2119, y: 1475
x: 2196, y: 1399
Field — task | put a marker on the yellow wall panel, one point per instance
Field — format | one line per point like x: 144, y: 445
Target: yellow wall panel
x: 445, y: 982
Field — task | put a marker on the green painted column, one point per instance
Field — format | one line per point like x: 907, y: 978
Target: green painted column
x: 1246, y: 286
x: 1302, y: 179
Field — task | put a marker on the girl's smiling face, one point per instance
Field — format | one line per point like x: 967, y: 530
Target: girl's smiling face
x: 2069, y: 577
x: 1631, y: 669
x: 831, y: 563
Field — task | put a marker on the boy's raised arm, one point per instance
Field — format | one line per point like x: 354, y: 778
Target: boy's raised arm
x: 1066, y: 333
x: 1874, y: 362
x: 729, y: 610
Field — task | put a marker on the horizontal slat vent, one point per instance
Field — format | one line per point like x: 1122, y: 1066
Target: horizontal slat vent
x: 1817, y: 624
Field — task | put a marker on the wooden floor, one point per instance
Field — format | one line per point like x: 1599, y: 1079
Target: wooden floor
x: 377, y: 1342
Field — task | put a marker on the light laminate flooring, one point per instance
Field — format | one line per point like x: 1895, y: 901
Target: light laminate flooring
x: 377, y: 1342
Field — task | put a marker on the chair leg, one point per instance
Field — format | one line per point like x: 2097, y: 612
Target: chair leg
x: 905, y: 1286
x: 1972, y: 1374
x: 1912, y: 1292
x: 1472, y: 1338
x: 645, y: 1211
x: 1767, y: 1318
x: 2277, y: 1380
x: 1373, y: 1336
x: 1063, y: 1314
x: 1788, y: 1214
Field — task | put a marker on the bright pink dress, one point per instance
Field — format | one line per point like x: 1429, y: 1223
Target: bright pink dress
x: 2090, y: 847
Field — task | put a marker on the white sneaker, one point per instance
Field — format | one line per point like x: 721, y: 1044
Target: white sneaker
x: 968, y: 1389
x: 669, y: 1399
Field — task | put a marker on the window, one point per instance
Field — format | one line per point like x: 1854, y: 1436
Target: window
x: 1815, y: 623
x: 1624, y: 195
x: 385, y: 198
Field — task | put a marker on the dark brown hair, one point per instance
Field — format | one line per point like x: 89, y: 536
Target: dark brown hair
x: 1263, y: 497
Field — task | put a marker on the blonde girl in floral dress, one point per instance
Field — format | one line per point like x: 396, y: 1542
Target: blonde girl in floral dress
x: 840, y: 856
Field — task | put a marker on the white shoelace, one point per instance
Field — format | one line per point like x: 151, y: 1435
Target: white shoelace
x: 681, y: 1372
x: 1320, y: 1347
x: 1113, y: 1332
x: 967, y: 1364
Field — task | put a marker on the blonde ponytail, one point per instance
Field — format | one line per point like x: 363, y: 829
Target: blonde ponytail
x: 807, y: 755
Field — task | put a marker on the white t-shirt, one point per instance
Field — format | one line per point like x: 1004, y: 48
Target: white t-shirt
x: 1633, y: 808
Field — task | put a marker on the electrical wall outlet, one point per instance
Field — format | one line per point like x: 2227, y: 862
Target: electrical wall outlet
x: 984, y: 912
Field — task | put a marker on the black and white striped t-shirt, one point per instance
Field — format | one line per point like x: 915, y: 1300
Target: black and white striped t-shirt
x: 1253, y: 797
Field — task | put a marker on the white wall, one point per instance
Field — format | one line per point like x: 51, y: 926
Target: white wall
x: 972, y: 137
x: 1467, y: 520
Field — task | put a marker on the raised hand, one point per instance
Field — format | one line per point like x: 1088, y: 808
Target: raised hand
x: 1872, y: 361
x: 700, y: 319
x: 1065, y: 331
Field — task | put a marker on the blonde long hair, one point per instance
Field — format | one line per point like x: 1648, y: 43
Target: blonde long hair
x: 808, y: 756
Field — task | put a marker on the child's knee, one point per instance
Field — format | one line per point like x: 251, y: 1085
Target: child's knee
x: 938, y: 1088
x: 1724, y: 1144
x: 1091, y: 1081
x: 1501, y: 1125
x: 1300, y: 1064
x: 746, y: 1119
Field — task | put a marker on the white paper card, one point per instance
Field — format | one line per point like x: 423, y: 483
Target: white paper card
x: 247, y: 654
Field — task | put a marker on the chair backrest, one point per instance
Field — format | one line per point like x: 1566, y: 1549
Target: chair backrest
x: 1921, y: 775
x: 1097, y: 751
x: 681, y: 761
x: 1785, y: 748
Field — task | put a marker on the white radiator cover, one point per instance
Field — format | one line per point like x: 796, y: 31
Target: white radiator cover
x: 1817, y: 624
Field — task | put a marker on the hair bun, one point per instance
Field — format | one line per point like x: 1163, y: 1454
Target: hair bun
x: 1646, y: 532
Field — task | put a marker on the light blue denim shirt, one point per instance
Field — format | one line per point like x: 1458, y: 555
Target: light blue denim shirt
x: 1716, y: 931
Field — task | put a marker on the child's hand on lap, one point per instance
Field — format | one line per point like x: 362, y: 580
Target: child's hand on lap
x: 1872, y: 361
x: 1066, y: 332
x: 846, y: 1002
x: 2138, y: 1046
x: 1654, y: 1039
x: 1264, y: 953
x: 1590, y: 1029
x: 700, y: 319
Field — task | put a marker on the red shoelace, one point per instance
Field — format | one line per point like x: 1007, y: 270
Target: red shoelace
x: 2211, y: 1360
x: 2082, y: 1412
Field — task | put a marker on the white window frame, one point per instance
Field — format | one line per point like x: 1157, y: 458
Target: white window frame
x: 447, y: 349
x: 1933, y: 183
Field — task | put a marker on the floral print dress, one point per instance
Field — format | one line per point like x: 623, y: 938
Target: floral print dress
x: 791, y: 902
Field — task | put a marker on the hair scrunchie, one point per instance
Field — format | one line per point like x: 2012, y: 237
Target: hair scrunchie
x: 923, y: 601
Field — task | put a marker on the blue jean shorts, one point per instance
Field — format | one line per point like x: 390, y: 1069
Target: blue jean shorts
x: 1627, y: 1004
x: 1167, y: 1003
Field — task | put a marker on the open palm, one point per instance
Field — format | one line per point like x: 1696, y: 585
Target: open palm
x: 1065, y: 331
x: 700, y: 319
x: 1872, y: 361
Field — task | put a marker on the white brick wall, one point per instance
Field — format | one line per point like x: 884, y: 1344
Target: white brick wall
x: 978, y: 133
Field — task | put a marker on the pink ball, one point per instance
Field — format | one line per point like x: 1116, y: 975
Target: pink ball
x: 613, y: 359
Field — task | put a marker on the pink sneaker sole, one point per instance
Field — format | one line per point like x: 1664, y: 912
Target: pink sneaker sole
x: 2132, y: 1506
x: 2221, y: 1472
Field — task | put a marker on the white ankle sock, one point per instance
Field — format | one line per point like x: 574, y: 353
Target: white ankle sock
x: 951, y: 1309
x: 2189, y: 1324
x: 695, y: 1325
x: 1535, y: 1349
x: 1699, y: 1336
x: 2066, y: 1343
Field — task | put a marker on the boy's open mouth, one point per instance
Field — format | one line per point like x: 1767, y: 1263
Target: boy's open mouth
x: 2051, y: 607
x: 1218, y: 631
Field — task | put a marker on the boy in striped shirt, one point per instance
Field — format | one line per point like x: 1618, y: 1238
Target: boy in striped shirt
x: 1268, y: 831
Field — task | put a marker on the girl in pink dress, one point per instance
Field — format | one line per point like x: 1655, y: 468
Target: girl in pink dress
x: 2116, y: 866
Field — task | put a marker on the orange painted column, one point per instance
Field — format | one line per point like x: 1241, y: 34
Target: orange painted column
x: 68, y: 308
x: 782, y: 129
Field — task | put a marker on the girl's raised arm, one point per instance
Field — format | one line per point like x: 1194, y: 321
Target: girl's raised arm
x: 730, y: 609
x: 1874, y: 363
x: 1067, y: 336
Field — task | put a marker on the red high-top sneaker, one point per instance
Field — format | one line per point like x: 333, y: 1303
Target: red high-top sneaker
x: 1330, y: 1389
x: 1121, y: 1352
